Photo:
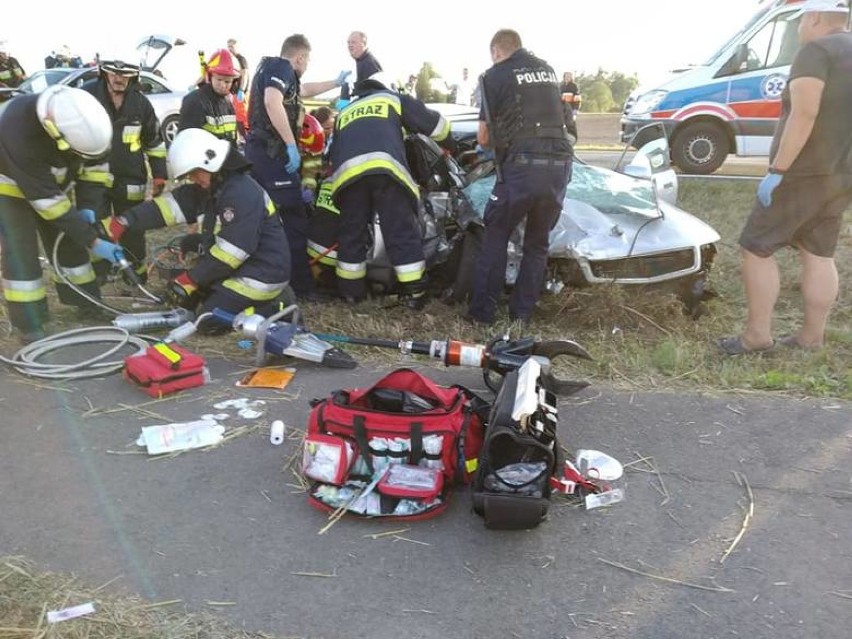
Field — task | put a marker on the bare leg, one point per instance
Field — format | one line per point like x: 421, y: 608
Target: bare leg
x: 820, y: 285
x: 762, y: 284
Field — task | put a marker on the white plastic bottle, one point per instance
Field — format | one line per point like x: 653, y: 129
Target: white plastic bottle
x: 597, y: 500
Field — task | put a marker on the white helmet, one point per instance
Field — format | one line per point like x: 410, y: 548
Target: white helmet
x: 75, y: 120
x: 197, y: 149
x: 127, y: 64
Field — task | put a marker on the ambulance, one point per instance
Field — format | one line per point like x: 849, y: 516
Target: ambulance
x: 729, y: 104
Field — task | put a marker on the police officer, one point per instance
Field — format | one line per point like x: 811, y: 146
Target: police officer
x: 370, y: 175
x: 44, y: 139
x: 244, y: 260
x: 275, y: 120
x: 209, y: 107
x: 521, y: 120
x: 11, y: 72
x: 122, y: 181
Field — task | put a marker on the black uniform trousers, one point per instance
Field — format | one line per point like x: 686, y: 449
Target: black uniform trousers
x: 285, y: 189
x: 397, y: 211
x: 20, y: 228
x: 535, y: 190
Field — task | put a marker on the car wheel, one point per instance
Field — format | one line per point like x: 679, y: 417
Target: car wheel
x: 169, y: 129
x: 700, y: 148
x: 471, y: 246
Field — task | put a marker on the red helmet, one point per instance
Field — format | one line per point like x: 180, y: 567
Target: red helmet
x: 222, y: 63
x: 312, y: 139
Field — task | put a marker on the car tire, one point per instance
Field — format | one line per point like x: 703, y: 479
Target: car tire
x: 700, y: 148
x: 169, y: 129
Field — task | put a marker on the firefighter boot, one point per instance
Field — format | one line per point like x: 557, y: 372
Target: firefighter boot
x: 414, y: 295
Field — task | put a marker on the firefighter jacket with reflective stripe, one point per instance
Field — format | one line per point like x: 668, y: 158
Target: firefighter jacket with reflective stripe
x: 135, y: 135
x: 11, y: 73
x: 369, y: 138
x: 33, y: 168
x: 276, y: 73
x: 243, y: 234
x: 323, y: 227
x: 206, y: 109
x: 525, y: 108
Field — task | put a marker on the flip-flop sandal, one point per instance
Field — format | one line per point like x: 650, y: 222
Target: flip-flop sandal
x: 734, y: 346
x: 790, y: 341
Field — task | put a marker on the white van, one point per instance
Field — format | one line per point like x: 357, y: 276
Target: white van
x: 729, y: 104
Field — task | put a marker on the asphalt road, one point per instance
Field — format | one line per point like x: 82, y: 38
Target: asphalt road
x: 227, y: 525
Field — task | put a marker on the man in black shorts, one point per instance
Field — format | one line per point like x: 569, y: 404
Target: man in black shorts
x: 800, y: 202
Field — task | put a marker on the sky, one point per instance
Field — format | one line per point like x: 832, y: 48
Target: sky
x: 643, y: 37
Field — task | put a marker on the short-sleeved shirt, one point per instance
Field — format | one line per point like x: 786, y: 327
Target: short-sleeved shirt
x: 829, y: 147
x: 277, y: 73
x: 365, y: 66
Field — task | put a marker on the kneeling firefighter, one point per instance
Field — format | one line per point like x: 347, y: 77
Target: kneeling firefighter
x: 244, y: 258
x: 44, y: 141
x: 370, y: 175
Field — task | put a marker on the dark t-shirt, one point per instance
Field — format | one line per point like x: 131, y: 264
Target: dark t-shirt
x: 365, y: 66
x: 277, y: 73
x: 829, y: 147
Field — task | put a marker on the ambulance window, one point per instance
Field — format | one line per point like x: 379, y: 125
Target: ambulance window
x: 773, y: 46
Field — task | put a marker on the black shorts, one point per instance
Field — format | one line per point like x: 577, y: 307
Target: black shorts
x: 806, y: 212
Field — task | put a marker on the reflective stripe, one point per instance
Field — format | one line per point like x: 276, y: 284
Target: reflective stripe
x: 271, y: 209
x: 59, y: 173
x: 79, y: 274
x: 324, y: 200
x: 9, y: 187
x: 97, y: 174
x: 254, y: 289
x: 136, y: 192
x: 220, y: 126
x: 351, y: 270
x: 230, y: 254
x: 410, y: 272
x: 52, y: 208
x: 158, y: 151
x: 170, y: 209
x: 24, y: 290
x: 378, y: 105
x: 360, y: 164
x: 131, y: 135
x: 442, y: 129
x: 322, y: 254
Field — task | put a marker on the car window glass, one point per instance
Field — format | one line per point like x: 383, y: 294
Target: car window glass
x: 773, y: 46
x: 150, y: 86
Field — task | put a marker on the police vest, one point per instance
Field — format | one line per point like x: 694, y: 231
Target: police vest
x: 536, y: 110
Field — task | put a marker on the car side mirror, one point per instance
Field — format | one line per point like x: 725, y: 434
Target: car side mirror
x: 637, y: 170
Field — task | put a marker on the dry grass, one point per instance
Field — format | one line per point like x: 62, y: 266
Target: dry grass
x: 26, y: 596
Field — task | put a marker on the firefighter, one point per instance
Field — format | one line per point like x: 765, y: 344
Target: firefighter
x: 521, y: 120
x: 275, y: 119
x: 311, y: 145
x: 209, y: 107
x: 44, y: 139
x: 122, y: 180
x: 370, y: 175
x: 244, y: 260
x: 11, y: 72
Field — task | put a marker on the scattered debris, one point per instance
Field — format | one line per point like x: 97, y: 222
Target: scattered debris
x: 73, y: 612
x: 168, y: 438
x: 742, y: 481
x: 670, y: 580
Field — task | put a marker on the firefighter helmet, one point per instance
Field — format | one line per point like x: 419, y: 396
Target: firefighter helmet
x: 120, y: 65
x: 197, y: 149
x: 222, y: 63
x: 75, y: 120
x: 312, y: 139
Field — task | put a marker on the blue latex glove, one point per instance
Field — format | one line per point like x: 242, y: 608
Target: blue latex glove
x: 483, y: 153
x: 307, y: 195
x: 767, y: 185
x: 338, y: 106
x: 88, y: 215
x: 294, y: 160
x: 241, y: 95
x: 107, y: 251
x: 341, y: 77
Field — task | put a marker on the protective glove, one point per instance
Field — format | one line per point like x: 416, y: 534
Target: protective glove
x: 341, y: 78
x: 158, y: 185
x: 88, y: 215
x: 294, y: 160
x: 338, y: 106
x: 192, y: 243
x: 111, y: 228
x: 307, y: 196
x: 107, y: 251
x: 182, y: 291
x: 241, y: 95
x: 483, y: 153
x: 767, y: 185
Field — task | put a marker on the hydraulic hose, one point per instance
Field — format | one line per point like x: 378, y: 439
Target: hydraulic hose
x: 26, y: 360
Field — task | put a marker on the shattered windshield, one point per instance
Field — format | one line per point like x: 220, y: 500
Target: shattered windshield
x: 607, y: 191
